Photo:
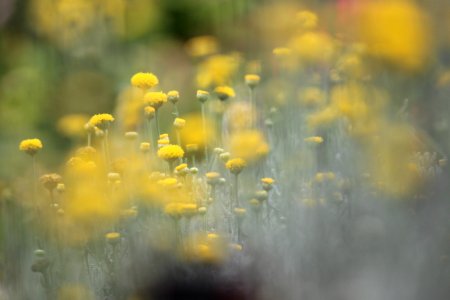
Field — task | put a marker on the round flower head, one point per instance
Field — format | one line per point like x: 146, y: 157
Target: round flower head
x: 155, y: 99
x: 267, y: 183
x: 281, y: 51
x: 144, y: 147
x: 212, y: 177
x: 144, y: 80
x: 179, y: 123
x: 50, y: 181
x: 131, y: 135
x: 236, y: 165
x: 170, y: 152
x: 252, y: 80
x: 314, y: 140
x: 191, y: 148
x: 101, y: 120
x: 307, y: 19
x: 173, y: 96
x: 112, y: 237
x: 224, y: 92
x: 202, y: 96
x: 30, y: 146
x: 149, y: 112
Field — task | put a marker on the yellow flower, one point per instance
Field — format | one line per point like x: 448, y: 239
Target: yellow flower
x: 179, y: 123
x: 311, y: 96
x: 50, y: 181
x: 217, y: 70
x: 313, y: 47
x: 170, y: 152
x: 281, y: 51
x: 267, y: 180
x: 144, y: 147
x: 202, y: 46
x: 168, y: 183
x: 396, y: 32
x: 224, y: 92
x: 30, y: 146
x: 144, y: 80
x: 250, y: 145
x: 155, y: 99
x: 307, y: 19
x: 173, y: 96
x: 112, y: 237
x: 236, y: 165
x: 314, y: 140
x: 191, y: 148
x: 202, y: 96
x: 212, y: 177
x: 72, y: 125
x: 101, y: 120
x: 149, y: 112
x: 252, y: 80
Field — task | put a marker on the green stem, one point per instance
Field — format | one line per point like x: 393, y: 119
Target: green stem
x: 204, y: 131
x: 157, y: 124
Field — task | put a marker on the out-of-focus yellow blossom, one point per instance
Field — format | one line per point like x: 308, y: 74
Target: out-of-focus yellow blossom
x: 249, y: 145
x: 30, y: 146
x: 202, y: 96
x: 101, y: 120
x: 168, y: 183
x: 173, y: 96
x: 323, y: 117
x: 202, y: 45
x: 313, y: 47
x: 74, y: 292
x: 323, y: 176
x: 155, y: 99
x: 217, y: 70
x: 314, y: 140
x: 149, y: 112
x: 282, y: 51
x: 193, y: 131
x: 129, y: 109
x: 50, y: 181
x: 396, y: 32
x: 72, y: 125
x: 238, y: 116
x: 236, y: 165
x: 311, y: 96
x: 204, y: 249
x: 252, y: 80
x: 179, y: 123
x: 170, y: 152
x: 224, y: 92
x: 307, y: 20
x: 389, y: 160
x: 144, y: 81
x: 212, y: 177
x: 112, y: 237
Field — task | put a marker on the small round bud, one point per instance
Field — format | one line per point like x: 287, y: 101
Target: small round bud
x: 252, y: 80
x: 179, y: 123
x: 202, y: 96
x: 131, y: 135
x: 193, y: 170
x: 39, y: 253
x: 144, y: 147
x: 113, y: 177
x: 173, y: 96
x: 61, y: 187
x: 202, y: 210
x: 225, y: 156
x: 112, y: 238
x: 261, y: 195
x: 218, y: 151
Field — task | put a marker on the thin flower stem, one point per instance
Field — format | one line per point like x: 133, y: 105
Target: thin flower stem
x: 204, y: 131
x: 157, y: 124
